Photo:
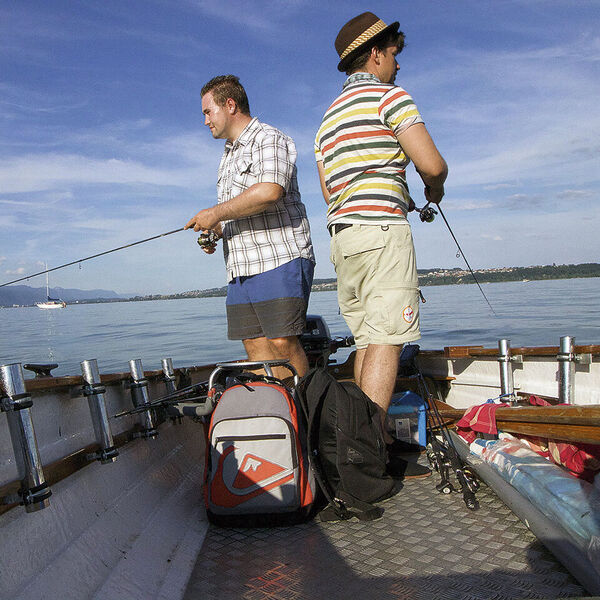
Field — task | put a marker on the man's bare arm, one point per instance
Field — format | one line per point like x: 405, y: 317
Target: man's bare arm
x: 256, y: 199
x: 324, y: 189
x: 419, y: 147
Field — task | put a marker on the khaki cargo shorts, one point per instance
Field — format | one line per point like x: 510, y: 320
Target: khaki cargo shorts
x: 378, y: 289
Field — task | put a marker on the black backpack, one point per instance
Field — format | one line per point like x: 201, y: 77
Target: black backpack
x: 345, y: 446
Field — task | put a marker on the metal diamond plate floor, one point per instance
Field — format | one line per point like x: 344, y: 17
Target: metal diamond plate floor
x: 426, y: 546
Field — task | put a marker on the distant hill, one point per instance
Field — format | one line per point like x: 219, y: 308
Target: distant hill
x: 23, y: 295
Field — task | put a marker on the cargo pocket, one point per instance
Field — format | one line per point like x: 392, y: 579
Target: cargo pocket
x: 398, y: 310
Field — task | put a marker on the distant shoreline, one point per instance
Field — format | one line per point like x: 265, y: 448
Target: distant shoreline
x: 427, y: 277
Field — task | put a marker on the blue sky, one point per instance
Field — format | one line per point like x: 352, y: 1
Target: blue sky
x: 102, y: 140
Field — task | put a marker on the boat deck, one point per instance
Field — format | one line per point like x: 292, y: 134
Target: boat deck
x: 426, y: 546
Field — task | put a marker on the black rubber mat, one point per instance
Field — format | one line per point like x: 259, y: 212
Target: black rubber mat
x: 426, y: 546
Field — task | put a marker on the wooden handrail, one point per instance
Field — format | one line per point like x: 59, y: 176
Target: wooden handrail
x: 42, y: 384
x: 480, y: 351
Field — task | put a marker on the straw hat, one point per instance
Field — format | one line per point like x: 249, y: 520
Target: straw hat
x: 357, y: 33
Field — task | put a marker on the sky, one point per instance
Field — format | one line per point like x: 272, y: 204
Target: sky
x: 103, y: 143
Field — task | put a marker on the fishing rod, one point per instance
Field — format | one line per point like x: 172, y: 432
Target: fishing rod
x: 154, y: 237
x: 442, y: 453
x: 427, y: 215
x: 201, y: 389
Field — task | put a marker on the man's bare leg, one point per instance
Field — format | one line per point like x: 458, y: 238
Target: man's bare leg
x: 290, y: 347
x: 271, y: 349
x: 378, y: 370
x: 359, y: 357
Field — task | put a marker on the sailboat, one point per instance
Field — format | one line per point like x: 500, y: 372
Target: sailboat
x: 50, y: 302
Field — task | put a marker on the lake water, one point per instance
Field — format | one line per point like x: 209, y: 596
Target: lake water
x: 194, y: 332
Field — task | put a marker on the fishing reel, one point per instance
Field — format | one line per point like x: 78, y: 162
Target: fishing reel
x: 208, y: 240
x: 427, y: 213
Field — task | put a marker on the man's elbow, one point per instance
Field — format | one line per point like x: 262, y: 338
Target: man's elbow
x: 440, y: 170
x: 269, y: 193
x: 436, y: 171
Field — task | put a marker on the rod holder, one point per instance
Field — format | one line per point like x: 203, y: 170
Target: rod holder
x: 507, y: 386
x: 139, y: 396
x: 169, y: 375
x: 566, y: 370
x: 34, y: 493
x: 93, y: 390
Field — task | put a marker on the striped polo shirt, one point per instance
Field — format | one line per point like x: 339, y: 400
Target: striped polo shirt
x: 364, y: 163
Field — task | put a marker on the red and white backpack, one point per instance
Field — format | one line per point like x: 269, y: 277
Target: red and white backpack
x: 257, y: 470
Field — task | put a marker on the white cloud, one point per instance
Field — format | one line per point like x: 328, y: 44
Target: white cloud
x: 43, y: 172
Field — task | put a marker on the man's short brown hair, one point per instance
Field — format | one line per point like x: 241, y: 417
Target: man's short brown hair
x: 228, y: 86
x: 391, y: 39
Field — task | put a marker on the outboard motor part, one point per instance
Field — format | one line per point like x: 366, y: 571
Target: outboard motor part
x: 317, y: 342
x: 94, y: 391
x: 139, y: 396
x: 16, y: 403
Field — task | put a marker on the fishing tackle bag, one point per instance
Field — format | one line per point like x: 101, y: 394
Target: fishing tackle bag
x: 257, y: 470
x: 346, y: 446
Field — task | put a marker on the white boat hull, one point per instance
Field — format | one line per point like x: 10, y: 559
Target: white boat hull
x: 51, y: 305
x: 93, y: 539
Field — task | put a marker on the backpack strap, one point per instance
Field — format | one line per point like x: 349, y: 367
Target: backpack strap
x: 312, y: 407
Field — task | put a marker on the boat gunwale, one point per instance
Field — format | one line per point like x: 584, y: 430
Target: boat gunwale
x: 451, y: 352
x: 43, y: 384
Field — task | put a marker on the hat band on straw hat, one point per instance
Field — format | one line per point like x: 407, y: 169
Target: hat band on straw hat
x: 372, y: 31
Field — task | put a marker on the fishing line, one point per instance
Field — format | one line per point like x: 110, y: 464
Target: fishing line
x: 154, y: 237
x: 465, y: 258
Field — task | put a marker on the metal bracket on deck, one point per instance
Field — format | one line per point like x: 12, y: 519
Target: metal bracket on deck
x: 507, y: 386
x: 566, y: 370
x: 584, y: 359
x: 169, y: 375
x: 139, y: 396
x: 17, y: 403
x: 94, y: 392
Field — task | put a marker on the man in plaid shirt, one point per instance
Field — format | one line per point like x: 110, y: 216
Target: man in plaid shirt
x: 262, y: 221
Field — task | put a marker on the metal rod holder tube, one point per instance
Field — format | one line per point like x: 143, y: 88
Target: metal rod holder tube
x: 94, y: 391
x: 16, y: 402
x: 566, y: 370
x: 507, y: 387
x: 169, y: 375
x: 139, y: 396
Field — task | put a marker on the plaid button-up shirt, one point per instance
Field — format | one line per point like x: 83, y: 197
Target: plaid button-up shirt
x: 262, y: 154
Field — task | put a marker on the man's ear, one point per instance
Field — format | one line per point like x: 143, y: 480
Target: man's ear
x: 230, y: 105
x: 376, y: 54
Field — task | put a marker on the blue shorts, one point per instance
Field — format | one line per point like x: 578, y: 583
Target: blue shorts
x: 271, y: 304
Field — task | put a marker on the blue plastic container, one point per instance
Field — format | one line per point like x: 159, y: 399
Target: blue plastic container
x: 406, y: 418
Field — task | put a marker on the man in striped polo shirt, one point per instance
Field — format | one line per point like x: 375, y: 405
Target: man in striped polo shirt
x: 367, y: 138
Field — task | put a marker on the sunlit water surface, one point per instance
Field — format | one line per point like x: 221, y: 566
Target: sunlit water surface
x: 194, y: 331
